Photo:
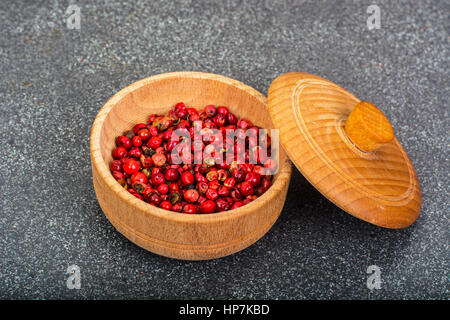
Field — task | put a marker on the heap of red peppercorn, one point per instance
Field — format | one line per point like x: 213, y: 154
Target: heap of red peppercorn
x: 143, y: 162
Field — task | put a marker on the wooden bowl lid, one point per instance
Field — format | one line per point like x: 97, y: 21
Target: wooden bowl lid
x: 345, y: 148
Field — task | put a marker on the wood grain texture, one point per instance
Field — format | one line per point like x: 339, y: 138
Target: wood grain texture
x: 380, y: 186
x: 175, y: 235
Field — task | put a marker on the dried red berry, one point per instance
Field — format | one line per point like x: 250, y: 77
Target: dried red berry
x: 229, y: 182
x: 139, y: 187
x: 178, y: 207
x: 236, y: 205
x: 191, y: 112
x: 147, y: 151
x: 146, y: 161
x: 215, y: 184
x: 119, y: 152
x: 158, y: 179
x: 171, y: 174
x: 238, y: 175
x: 147, y: 192
x: 139, y: 177
x: 189, y: 208
x: 137, y: 141
x: 187, y: 178
x: 162, y: 123
x: 222, y: 205
x: 224, y: 191
x: 155, y: 199
x: 246, y: 188
x: 247, y: 167
x: 163, y: 188
x: 222, y: 174
x: 191, y: 195
x: 223, y: 110
x: 137, y: 195
x: 135, y: 153
x: 199, y: 177
x: 210, y: 110
x: 220, y: 120
x: 174, y: 197
x: 152, y: 130
x: 131, y: 166
x: 201, y: 199
x: 123, y: 141
x: 236, y: 195
x: 156, y: 170
x: 180, y: 105
x: 144, y: 134
x: 174, y: 187
x: 129, y: 134
x: 253, y: 178
x: 212, y: 175
x: 181, y: 113
x: 119, y: 176
x: 166, y: 205
x: 159, y: 159
x: 231, y: 119
x: 259, y: 170
x: 154, y: 142
x: 212, y: 194
x: 208, y: 206
x: 266, y: 183
x: 244, y: 124
x: 202, y: 187
x: 138, y: 127
x: 115, y: 165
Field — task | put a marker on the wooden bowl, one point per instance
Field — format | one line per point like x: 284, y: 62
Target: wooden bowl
x: 170, y: 234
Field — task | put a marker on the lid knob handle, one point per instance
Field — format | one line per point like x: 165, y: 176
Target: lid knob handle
x: 367, y: 127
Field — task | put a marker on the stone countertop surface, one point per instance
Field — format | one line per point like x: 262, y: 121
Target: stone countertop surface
x: 54, y: 80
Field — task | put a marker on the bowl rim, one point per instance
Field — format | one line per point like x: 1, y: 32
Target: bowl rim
x: 99, y: 163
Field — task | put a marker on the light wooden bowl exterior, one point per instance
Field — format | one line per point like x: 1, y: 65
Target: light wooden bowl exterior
x: 170, y: 234
x: 363, y: 170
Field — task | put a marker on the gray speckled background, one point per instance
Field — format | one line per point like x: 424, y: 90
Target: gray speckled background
x: 54, y: 81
